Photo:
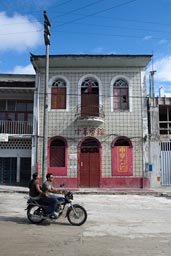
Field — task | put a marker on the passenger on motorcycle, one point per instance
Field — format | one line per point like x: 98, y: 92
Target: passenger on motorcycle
x: 36, y: 193
x: 49, y: 189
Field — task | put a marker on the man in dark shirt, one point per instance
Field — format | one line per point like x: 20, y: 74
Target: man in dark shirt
x: 35, y: 191
x: 37, y: 194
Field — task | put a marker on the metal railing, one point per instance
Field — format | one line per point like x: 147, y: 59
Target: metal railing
x: 16, y: 127
x: 165, y: 163
x: 90, y: 111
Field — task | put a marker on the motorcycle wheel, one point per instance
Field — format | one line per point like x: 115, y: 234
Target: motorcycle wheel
x: 76, y: 216
x: 35, y: 214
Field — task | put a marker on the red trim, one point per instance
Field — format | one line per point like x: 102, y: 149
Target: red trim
x: 69, y: 182
x: 114, y: 182
x: 58, y: 171
x: 37, y: 167
x: 125, y: 182
x: 119, y: 138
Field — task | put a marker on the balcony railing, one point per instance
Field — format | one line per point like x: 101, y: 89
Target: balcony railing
x: 16, y: 127
x: 165, y: 127
x: 90, y: 114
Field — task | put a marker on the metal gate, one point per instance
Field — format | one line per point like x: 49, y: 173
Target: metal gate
x: 25, y: 171
x: 166, y: 163
x: 8, y: 170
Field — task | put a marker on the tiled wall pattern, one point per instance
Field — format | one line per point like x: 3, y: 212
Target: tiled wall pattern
x: 117, y: 123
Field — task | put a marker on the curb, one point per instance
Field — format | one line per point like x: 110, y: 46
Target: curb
x: 23, y: 190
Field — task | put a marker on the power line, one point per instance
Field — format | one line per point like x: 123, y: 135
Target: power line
x: 135, y: 20
x: 113, y: 35
x: 105, y: 26
x: 26, y: 32
x: 80, y: 8
x: 96, y: 25
x: 95, y: 13
x: 120, y: 27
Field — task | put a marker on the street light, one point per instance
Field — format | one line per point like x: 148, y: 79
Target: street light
x: 47, y: 26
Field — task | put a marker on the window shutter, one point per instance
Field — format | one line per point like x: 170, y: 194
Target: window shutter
x: 58, y: 98
x: 53, y: 98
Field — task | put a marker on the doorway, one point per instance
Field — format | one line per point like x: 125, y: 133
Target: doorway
x: 89, y: 163
x: 8, y: 170
x: 89, y: 98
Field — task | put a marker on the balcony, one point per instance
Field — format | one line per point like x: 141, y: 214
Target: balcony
x: 16, y: 127
x: 90, y: 115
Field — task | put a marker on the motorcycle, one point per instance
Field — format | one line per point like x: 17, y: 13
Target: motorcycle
x: 75, y: 213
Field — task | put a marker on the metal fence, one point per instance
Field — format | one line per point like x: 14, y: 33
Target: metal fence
x: 166, y: 163
x: 16, y: 127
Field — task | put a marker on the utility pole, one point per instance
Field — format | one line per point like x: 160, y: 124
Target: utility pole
x: 47, y: 26
x: 151, y: 78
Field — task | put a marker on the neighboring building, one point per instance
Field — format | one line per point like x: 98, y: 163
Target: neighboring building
x: 16, y: 128
x: 97, y: 119
x: 162, y: 93
x: 159, y: 114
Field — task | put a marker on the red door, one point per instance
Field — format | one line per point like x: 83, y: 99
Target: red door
x: 122, y: 163
x: 94, y: 169
x: 89, y: 105
x: 89, y: 164
x: 84, y: 170
x: 89, y: 169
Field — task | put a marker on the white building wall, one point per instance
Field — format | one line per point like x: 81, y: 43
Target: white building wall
x: 116, y: 123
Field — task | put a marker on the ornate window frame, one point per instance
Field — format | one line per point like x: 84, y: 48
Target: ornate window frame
x: 93, y: 77
x: 51, y: 81
x: 58, y: 171
x: 129, y: 93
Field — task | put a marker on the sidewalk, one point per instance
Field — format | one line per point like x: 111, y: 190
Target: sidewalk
x: 161, y: 191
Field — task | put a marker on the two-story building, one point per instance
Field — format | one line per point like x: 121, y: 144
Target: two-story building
x: 16, y: 128
x: 97, y: 119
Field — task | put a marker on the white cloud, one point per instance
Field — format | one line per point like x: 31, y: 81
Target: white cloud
x: 163, y: 41
x: 162, y: 76
x: 163, y: 68
x: 23, y: 70
x: 146, y: 38
x: 19, y: 32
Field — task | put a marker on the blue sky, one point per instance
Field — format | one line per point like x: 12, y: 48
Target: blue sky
x: 87, y: 27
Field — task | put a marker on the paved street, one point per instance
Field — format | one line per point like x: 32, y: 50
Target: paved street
x: 119, y: 225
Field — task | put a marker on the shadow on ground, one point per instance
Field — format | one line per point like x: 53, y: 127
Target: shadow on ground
x: 23, y: 220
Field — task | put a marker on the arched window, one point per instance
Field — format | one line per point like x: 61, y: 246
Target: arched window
x: 89, y: 146
x: 122, y: 142
x: 57, y: 153
x: 120, y: 95
x: 89, y: 86
x: 89, y: 98
x: 58, y: 94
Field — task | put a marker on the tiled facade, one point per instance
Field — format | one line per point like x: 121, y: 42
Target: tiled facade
x: 117, y: 123
x: 16, y: 128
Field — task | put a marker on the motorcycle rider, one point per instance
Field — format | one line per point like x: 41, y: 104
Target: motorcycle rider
x: 49, y: 189
x: 36, y: 193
